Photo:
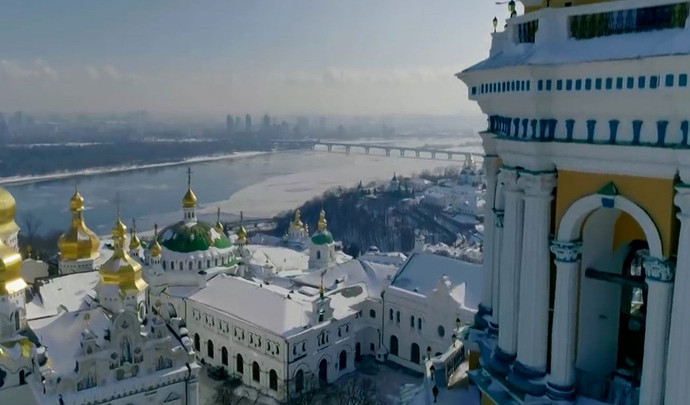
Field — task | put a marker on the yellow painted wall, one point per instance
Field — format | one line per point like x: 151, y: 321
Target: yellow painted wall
x: 626, y: 231
x: 655, y: 196
x: 561, y: 3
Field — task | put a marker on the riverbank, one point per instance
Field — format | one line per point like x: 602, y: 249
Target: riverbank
x: 17, y: 180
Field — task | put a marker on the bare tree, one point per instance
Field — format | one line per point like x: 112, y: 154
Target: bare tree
x: 30, y: 226
x: 357, y: 391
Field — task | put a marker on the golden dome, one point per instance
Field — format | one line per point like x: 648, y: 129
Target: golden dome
x: 322, y: 224
x: 7, y: 207
x: 241, y: 235
x: 156, y: 249
x: 120, y: 269
x: 10, y: 271
x: 134, y: 242
x: 78, y: 242
x: 297, y: 222
x: 189, y: 200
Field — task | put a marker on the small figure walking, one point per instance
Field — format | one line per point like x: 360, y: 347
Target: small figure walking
x: 435, y: 392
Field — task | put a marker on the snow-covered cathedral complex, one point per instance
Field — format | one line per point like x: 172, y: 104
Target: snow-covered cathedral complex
x: 587, y: 244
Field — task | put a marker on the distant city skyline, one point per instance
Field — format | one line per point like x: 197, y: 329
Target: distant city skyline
x: 299, y: 57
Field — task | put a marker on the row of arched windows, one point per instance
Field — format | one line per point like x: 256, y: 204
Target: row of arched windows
x: 415, y: 356
x: 239, y: 362
x: 180, y: 265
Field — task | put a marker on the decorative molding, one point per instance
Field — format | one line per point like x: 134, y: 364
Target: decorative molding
x: 659, y: 270
x: 566, y: 252
x: 682, y: 199
x: 534, y: 184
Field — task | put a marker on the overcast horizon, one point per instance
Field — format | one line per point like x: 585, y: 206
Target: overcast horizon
x: 389, y: 57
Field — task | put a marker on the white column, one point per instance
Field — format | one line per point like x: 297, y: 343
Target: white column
x: 498, y: 247
x: 486, y: 305
x: 659, y: 277
x: 678, y: 361
x: 509, y: 272
x: 561, y: 381
x: 533, y: 308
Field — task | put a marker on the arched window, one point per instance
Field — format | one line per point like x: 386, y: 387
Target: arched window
x: 172, y: 265
x: 390, y: 314
x: 412, y: 321
x: 318, y: 255
x: 224, y: 356
x: 125, y: 351
x: 342, y: 362
x: 372, y: 313
x: 198, y: 265
x: 419, y: 323
x: 208, y: 263
x: 191, y: 266
x: 197, y: 342
x: 273, y: 380
x: 209, y: 348
x: 240, y: 364
x: 414, y: 353
x: 394, y: 345
x: 181, y: 265
x: 256, y: 372
x: 397, y: 317
x: 163, y: 264
x: 299, y: 381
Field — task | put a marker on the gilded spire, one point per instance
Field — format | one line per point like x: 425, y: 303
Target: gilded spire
x: 11, y: 280
x: 189, y: 200
x: 242, y: 233
x: 134, y: 242
x: 78, y: 242
x: 297, y: 221
x: 156, y: 248
x: 219, y: 225
x: 322, y: 224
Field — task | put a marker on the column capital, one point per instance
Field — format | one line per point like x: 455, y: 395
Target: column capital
x: 682, y: 199
x: 567, y: 252
x: 537, y: 184
x: 659, y: 270
x: 508, y: 177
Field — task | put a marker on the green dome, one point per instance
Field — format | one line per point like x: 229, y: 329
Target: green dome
x: 184, y: 238
x: 322, y: 238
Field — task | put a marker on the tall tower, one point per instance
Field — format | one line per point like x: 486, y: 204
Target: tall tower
x: 322, y: 246
x: 248, y: 123
x: 189, y: 201
x: 588, y: 147
x: 79, y: 246
x: 121, y: 284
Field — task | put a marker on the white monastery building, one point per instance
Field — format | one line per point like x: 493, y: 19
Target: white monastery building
x: 587, y: 236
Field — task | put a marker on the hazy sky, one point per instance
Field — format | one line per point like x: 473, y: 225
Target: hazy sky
x: 237, y: 56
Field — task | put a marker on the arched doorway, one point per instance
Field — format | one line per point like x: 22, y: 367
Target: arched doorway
x: 299, y: 381
x: 342, y: 360
x: 239, y: 364
x: 197, y: 342
x: 224, y: 356
x: 256, y: 372
x: 22, y: 377
x: 393, y: 347
x: 323, y: 372
x: 273, y: 380
x: 601, y: 243
x: 414, y: 353
x: 358, y: 352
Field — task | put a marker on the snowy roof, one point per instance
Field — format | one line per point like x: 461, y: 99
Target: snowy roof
x: 373, y: 275
x: 264, y: 306
x: 62, y: 335
x: 615, y: 47
x: 68, y: 291
x: 280, y: 258
x: 423, y: 271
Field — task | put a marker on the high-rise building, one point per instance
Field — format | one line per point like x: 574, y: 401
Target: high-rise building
x: 248, y: 123
x: 230, y: 124
x: 587, y: 236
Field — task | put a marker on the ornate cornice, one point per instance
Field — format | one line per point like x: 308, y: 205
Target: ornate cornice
x: 537, y: 184
x: 566, y: 252
x: 659, y: 270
